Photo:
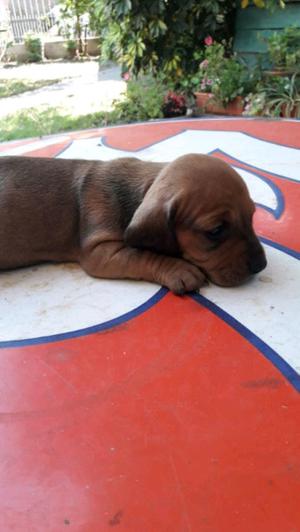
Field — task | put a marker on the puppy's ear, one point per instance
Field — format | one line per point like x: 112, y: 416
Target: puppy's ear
x: 153, y: 227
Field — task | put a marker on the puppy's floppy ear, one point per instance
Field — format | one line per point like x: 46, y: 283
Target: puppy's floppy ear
x: 152, y: 227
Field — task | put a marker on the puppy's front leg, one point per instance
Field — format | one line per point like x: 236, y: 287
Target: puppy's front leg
x: 114, y: 260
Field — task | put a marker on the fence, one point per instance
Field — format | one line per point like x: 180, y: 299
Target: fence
x: 25, y: 16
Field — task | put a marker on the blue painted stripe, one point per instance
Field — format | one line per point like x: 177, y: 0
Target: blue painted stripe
x: 89, y: 330
x: 279, y: 196
x: 251, y: 167
x: 287, y: 371
x: 293, y: 253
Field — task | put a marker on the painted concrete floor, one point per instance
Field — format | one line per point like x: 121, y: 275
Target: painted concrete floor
x: 125, y: 406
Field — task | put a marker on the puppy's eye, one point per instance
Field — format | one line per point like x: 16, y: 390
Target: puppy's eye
x: 216, y: 232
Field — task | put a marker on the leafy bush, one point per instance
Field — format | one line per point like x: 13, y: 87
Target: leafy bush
x: 225, y: 77
x: 71, y: 46
x: 264, y: 4
x: 36, y: 122
x: 276, y: 96
x: 174, y: 105
x: 143, y: 100
x: 161, y: 36
x: 33, y: 47
x: 10, y: 87
x: 284, y: 48
x: 230, y: 82
x: 74, y: 17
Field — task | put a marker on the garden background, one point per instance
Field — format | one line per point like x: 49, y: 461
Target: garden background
x: 175, y: 60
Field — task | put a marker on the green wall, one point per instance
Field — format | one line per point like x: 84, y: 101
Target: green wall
x: 253, y: 25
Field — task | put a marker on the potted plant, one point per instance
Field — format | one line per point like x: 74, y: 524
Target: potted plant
x: 278, y: 97
x: 222, y: 81
x: 174, y: 105
x: 209, y: 69
x: 284, y: 51
x: 230, y: 87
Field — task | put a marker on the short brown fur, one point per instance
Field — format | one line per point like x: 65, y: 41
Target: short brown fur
x: 175, y: 224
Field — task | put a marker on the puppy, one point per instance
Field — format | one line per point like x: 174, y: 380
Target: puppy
x: 174, y: 224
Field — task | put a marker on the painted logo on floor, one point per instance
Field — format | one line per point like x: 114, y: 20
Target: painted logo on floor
x: 46, y: 303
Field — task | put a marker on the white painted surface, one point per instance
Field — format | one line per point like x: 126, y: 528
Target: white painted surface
x: 269, y: 157
x: 268, y: 305
x: 34, y: 145
x: 260, y: 191
x: 54, y: 299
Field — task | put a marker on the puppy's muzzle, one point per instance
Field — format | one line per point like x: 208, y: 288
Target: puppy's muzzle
x: 257, y: 259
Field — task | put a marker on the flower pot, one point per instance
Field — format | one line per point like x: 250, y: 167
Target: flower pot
x: 294, y: 113
x: 279, y: 72
x: 210, y: 105
x: 174, y: 105
x: 174, y: 113
x: 202, y: 99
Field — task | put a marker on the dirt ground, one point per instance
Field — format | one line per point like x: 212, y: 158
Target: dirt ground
x: 83, y: 89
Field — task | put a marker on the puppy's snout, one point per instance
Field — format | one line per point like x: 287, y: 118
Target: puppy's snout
x: 257, y: 261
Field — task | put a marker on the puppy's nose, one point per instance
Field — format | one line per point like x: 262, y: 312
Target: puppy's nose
x: 258, y: 263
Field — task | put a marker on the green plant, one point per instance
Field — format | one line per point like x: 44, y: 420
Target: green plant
x: 212, y: 64
x: 74, y: 18
x: 5, y: 42
x: 143, y: 100
x: 231, y: 81
x: 278, y: 96
x: 35, y: 122
x: 283, y: 98
x: 33, y: 45
x: 174, y: 105
x: 71, y: 46
x: 161, y: 36
x: 39, y: 121
x: 284, y: 48
x: 222, y: 75
x: 255, y: 104
x: 10, y: 87
x: 190, y: 82
x: 265, y: 4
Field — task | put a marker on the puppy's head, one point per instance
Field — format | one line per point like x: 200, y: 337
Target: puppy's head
x: 199, y: 208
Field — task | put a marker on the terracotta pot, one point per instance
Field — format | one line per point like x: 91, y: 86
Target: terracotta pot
x: 279, y: 72
x: 293, y: 113
x: 202, y: 99
x: 210, y: 105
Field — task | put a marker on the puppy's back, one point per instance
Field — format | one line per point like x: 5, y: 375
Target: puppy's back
x: 38, y: 209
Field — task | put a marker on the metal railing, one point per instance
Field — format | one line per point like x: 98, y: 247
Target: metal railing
x: 35, y: 16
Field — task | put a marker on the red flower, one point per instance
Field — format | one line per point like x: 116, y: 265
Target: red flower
x: 174, y: 105
x: 177, y: 100
x: 126, y: 76
x: 208, y: 40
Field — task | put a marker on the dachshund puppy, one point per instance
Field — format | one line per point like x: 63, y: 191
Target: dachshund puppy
x: 174, y: 224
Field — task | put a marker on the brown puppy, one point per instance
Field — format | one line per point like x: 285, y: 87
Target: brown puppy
x: 174, y: 224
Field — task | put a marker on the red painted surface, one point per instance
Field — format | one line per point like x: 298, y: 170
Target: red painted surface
x: 132, y: 137
x: 184, y: 433
x: 13, y: 144
x: 49, y: 151
x: 171, y: 421
x: 281, y: 230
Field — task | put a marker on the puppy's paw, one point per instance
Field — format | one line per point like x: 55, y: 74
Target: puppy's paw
x: 183, y: 277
